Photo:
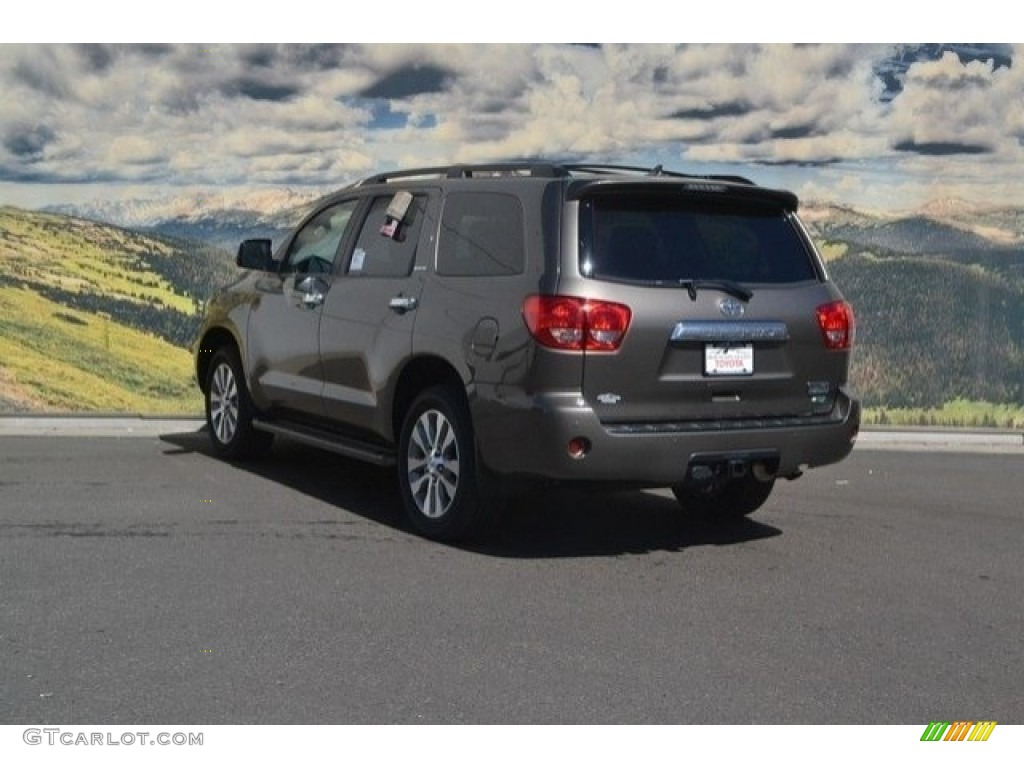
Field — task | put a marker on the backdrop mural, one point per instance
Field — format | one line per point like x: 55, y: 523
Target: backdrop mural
x: 129, y: 172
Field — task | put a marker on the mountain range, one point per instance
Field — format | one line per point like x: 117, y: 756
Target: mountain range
x: 938, y: 291
x: 939, y: 299
x: 942, y: 226
x: 221, y: 219
x: 944, y: 229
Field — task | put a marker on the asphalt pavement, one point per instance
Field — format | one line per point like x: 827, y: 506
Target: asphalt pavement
x: 144, y: 581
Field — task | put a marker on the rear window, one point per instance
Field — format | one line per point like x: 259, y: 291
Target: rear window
x: 656, y: 238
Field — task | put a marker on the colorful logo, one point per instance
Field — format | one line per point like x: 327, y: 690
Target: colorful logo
x: 961, y: 730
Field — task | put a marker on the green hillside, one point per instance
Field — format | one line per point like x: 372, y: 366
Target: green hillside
x: 932, y: 331
x: 96, y: 318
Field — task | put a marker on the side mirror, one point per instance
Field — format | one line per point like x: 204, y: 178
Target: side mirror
x: 255, y: 254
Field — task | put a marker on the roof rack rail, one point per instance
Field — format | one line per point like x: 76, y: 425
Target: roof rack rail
x: 468, y: 171
x: 537, y: 170
x: 658, y: 170
x: 540, y: 170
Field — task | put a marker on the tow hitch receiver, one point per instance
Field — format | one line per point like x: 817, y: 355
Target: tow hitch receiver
x: 711, y: 470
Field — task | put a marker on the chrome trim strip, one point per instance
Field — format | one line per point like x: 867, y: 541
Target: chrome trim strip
x: 725, y: 425
x: 716, y: 330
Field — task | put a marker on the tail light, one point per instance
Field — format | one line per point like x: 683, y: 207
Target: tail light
x: 837, y: 324
x: 574, y: 324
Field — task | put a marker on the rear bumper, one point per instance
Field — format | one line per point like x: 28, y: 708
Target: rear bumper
x: 531, y: 439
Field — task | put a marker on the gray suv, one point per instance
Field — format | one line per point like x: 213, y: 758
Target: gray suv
x: 487, y: 327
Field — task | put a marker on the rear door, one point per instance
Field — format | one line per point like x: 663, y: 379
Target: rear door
x: 723, y: 294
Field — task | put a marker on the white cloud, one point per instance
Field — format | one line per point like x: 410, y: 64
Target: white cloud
x: 947, y: 101
x: 228, y: 114
x: 134, y: 150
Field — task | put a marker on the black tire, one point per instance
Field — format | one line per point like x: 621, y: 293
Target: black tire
x: 730, y: 501
x: 229, y: 410
x: 442, y: 490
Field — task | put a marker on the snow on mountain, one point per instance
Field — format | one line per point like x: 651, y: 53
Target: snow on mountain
x: 264, y: 205
x: 950, y: 207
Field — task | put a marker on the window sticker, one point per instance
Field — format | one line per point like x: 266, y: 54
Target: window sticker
x: 358, y: 257
x: 399, y: 205
x: 395, y: 214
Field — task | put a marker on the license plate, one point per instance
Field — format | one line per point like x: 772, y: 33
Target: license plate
x: 729, y: 359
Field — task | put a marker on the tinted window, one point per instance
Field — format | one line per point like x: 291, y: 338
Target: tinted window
x: 481, y: 234
x: 657, y: 238
x: 386, y: 247
x: 315, y: 246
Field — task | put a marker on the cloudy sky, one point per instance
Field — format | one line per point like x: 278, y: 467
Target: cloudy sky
x: 885, y: 126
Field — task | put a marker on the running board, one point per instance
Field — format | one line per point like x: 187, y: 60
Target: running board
x: 346, y: 446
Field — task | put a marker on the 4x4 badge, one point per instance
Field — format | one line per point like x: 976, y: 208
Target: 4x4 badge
x: 731, y: 307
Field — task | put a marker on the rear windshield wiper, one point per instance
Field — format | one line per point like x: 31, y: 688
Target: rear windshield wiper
x: 690, y: 284
x: 726, y: 286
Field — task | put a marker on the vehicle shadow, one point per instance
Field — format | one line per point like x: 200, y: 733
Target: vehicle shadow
x: 559, y: 522
x: 547, y: 523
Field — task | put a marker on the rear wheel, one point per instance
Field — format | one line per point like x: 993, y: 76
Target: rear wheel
x: 730, y: 500
x: 437, y: 467
x: 229, y: 411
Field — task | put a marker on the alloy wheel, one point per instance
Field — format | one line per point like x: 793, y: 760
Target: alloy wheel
x: 224, y: 404
x: 433, y: 464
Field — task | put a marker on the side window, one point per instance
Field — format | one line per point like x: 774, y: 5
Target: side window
x: 387, y: 241
x: 315, y: 246
x: 481, y: 234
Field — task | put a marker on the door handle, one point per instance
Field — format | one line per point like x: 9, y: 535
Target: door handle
x: 312, y: 290
x: 402, y: 304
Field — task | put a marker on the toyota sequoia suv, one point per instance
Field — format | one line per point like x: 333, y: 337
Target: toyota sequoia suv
x: 486, y: 327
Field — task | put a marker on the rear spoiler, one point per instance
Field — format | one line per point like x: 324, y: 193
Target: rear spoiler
x: 709, y: 189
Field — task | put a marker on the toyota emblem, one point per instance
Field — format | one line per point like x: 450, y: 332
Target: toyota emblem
x: 731, y: 307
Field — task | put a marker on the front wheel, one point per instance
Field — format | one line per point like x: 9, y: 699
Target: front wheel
x: 731, y: 500
x: 229, y: 411
x: 437, y: 467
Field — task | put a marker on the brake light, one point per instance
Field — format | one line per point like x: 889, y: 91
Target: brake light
x: 837, y: 324
x: 574, y: 324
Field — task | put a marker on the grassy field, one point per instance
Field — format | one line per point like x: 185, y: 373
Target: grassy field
x: 59, y: 359
x: 57, y: 251
x: 85, y: 314
x: 831, y: 251
x: 957, y: 413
